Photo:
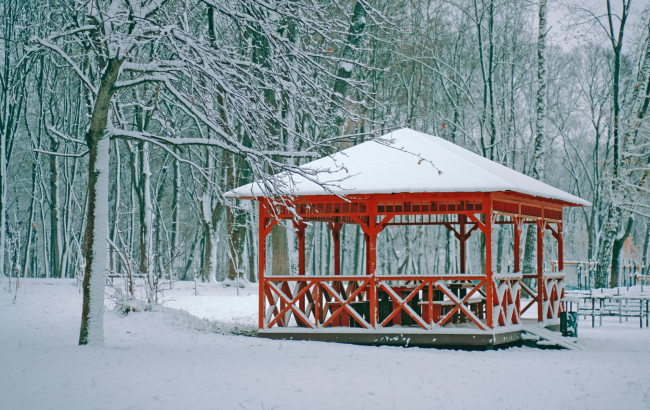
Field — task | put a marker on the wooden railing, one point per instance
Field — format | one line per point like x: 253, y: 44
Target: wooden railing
x: 552, y: 285
x: 382, y: 301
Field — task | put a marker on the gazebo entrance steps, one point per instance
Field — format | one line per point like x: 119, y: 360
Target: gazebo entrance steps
x: 459, y: 336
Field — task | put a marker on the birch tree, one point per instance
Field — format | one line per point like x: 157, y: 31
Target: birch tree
x: 536, y: 166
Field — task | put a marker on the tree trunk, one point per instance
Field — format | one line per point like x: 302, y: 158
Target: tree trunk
x: 3, y: 193
x: 614, y: 218
x: 31, y: 222
x: 116, y: 208
x: 448, y: 240
x: 529, y: 265
x: 176, y: 217
x: 250, y: 242
x: 280, y: 251
x: 500, y: 241
x: 536, y: 166
x: 146, y: 214
x: 94, y: 244
x: 646, y: 242
x: 236, y: 220
x: 540, y: 137
x: 210, y: 253
x: 357, y: 250
x: 95, y: 250
x: 606, y: 246
x: 616, y: 253
x: 55, y: 208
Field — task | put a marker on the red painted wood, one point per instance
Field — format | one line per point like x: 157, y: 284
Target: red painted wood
x: 430, y: 307
x: 262, y: 263
x: 300, y: 233
x: 517, y: 243
x: 560, y: 247
x: 463, y: 237
x: 363, y: 210
x: 489, y: 285
x: 540, y: 272
x: 371, y: 262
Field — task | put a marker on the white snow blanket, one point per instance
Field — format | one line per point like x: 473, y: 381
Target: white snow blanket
x: 408, y: 161
x: 172, y: 359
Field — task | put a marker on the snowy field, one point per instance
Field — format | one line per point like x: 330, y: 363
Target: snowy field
x: 176, y: 358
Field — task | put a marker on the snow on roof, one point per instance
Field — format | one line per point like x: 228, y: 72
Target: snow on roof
x: 407, y: 161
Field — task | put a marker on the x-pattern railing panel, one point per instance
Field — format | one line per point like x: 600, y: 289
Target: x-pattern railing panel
x: 290, y: 305
x: 402, y: 304
x: 341, y: 291
x: 553, y: 291
x: 460, y: 304
x: 345, y: 304
x: 532, y: 294
x: 506, y: 310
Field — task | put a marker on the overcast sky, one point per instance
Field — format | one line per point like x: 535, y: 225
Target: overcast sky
x: 564, y: 32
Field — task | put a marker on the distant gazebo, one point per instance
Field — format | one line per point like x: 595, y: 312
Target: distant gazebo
x: 409, y: 178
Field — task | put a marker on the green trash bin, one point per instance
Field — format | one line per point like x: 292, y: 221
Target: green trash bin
x: 569, y: 324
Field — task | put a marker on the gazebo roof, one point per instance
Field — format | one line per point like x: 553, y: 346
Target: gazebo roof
x: 407, y: 161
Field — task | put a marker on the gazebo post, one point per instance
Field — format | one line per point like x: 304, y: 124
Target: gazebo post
x: 560, y: 248
x: 462, y: 219
x: 516, y: 223
x: 489, y: 283
x: 371, y: 258
x: 300, y: 233
x: 540, y: 270
x: 262, y: 262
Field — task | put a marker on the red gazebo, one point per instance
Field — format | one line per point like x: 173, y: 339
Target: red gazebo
x: 409, y: 178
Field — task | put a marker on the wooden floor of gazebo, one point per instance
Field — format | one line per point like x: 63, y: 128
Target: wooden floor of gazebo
x: 447, y: 337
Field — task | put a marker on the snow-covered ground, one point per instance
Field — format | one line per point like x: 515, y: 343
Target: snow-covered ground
x: 175, y: 358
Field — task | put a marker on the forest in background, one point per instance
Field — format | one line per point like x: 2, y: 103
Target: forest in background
x: 128, y: 120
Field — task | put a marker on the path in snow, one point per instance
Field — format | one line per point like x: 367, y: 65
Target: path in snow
x: 172, y: 359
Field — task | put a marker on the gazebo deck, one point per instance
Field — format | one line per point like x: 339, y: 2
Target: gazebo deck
x: 459, y: 336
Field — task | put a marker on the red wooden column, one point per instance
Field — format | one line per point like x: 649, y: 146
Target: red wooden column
x: 262, y: 262
x: 560, y: 261
x: 560, y: 248
x: 540, y: 272
x: 489, y: 283
x: 516, y: 223
x: 371, y: 260
x: 300, y: 233
x: 462, y: 219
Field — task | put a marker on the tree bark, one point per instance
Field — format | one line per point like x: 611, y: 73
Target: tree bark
x: 116, y: 218
x: 616, y: 253
x: 529, y: 264
x: 536, y: 166
x: 94, y: 245
x: 646, y: 243
x: 55, y: 207
x: 176, y: 217
x: 280, y: 251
